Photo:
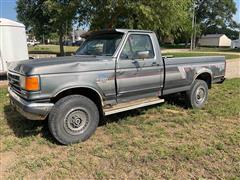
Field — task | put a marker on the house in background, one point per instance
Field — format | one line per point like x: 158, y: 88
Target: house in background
x: 236, y: 43
x: 215, y: 40
x: 76, y: 35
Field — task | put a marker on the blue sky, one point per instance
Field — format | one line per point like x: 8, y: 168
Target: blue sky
x: 7, y: 9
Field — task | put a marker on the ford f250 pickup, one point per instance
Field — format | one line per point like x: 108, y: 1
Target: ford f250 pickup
x: 113, y: 71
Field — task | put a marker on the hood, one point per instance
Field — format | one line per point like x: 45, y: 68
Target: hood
x: 59, y: 65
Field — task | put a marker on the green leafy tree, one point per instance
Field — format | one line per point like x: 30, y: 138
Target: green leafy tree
x: 165, y: 17
x: 31, y: 13
x: 215, y: 15
x: 212, y: 17
x: 48, y: 16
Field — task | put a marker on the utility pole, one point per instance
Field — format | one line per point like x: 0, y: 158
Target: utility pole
x: 73, y: 36
x: 193, y: 27
x: 195, y: 32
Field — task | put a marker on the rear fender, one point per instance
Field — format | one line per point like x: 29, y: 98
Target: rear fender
x: 202, y: 71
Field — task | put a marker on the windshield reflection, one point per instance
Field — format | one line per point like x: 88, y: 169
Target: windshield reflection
x: 101, y: 45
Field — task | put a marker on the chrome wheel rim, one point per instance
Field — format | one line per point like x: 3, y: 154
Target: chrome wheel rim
x: 76, y: 121
x: 200, y: 95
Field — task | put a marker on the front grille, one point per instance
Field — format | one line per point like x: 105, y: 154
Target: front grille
x: 14, y: 82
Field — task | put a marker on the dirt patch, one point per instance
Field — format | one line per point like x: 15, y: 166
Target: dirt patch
x: 6, y: 160
x: 174, y: 111
x: 233, y: 68
x: 3, y: 84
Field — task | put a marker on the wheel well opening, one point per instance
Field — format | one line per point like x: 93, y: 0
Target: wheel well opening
x: 87, y: 92
x: 207, y: 78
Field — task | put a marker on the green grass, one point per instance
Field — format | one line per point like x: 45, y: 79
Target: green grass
x: 204, y: 49
x: 51, y: 49
x: 164, y: 141
x: 201, y: 49
x: 195, y: 54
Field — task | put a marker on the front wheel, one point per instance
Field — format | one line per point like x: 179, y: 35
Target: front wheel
x: 73, y: 119
x: 197, y: 96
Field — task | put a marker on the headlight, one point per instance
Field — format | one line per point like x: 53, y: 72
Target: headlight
x: 30, y: 83
x: 22, y: 82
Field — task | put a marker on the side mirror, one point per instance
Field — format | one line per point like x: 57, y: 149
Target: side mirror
x: 143, y: 54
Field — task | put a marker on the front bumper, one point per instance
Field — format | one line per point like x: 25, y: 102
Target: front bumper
x: 30, y: 110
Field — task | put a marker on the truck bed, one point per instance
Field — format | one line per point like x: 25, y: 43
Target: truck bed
x: 181, y: 72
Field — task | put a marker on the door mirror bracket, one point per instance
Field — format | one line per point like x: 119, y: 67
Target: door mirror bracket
x: 143, y: 54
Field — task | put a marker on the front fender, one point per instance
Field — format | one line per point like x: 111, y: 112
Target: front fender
x: 83, y: 85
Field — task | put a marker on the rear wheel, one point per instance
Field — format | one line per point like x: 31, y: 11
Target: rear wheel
x: 197, y: 96
x: 73, y: 119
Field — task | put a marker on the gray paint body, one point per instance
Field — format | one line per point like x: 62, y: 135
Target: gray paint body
x: 117, y: 80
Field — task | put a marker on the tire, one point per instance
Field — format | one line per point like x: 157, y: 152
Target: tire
x: 73, y: 119
x: 197, y: 96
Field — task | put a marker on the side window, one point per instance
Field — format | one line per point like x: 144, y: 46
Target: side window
x: 137, y: 43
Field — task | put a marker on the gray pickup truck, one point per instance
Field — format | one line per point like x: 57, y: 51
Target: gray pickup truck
x: 113, y: 71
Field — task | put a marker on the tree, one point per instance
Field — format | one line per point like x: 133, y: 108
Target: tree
x: 165, y: 17
x: 48, y: 16
x: 212, y: 17
x: 215, y: 15
x: 31, y: 13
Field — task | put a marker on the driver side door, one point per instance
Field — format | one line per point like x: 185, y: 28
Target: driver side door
x: 136, y: 77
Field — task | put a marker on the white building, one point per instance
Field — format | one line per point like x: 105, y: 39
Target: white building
x: 76, y: 35
x: 235, y: 44
x: 215, y: 40
x: 13, y: 43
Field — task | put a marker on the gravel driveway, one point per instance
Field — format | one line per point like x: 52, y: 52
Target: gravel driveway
x: 233, y: 68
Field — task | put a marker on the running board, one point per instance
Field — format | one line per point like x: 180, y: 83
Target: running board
x: 131, y: 105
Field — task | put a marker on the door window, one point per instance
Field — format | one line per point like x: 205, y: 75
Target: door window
x: 137, y: 43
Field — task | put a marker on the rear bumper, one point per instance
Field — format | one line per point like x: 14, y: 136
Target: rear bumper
x: 30, y: 110
x: 222, y: 80
x: 219, y: 79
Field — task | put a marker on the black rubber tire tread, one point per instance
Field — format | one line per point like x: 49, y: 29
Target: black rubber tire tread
x: 59, y: 111
x: 190, y: 95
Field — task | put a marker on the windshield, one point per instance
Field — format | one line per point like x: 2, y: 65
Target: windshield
x: 101, y: 45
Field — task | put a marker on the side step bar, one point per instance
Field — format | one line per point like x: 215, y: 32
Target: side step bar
x: 131, y: 105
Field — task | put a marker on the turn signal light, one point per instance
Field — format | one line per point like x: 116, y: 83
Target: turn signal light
x: 32, y: 83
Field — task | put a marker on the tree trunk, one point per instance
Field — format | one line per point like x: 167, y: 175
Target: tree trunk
x: 61, y: 45
x: 186, y: 42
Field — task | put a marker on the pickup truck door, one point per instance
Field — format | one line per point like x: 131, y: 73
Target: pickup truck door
x: 137, y: 77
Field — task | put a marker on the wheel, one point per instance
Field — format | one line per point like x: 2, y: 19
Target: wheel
x: 197, y: 96
x: 73, y: 119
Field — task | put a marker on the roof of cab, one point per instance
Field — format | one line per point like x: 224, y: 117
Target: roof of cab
x: 132, y: 30
x: 8, y: 22
x: 107, y: 31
